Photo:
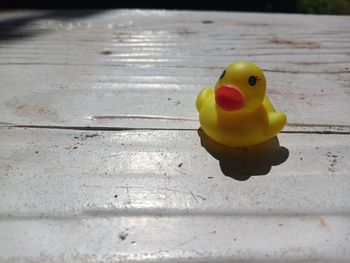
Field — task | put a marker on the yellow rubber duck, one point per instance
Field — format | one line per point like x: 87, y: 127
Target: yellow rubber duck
x: 237, y: 112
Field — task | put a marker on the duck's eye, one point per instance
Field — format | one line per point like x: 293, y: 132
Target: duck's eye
x: 223, y: 74
x: 252, y: 80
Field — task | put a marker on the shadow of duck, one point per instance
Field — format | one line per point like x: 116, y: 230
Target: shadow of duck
x: 240, y: 163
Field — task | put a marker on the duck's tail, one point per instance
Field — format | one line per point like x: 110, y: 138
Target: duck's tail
x: 203, y: 95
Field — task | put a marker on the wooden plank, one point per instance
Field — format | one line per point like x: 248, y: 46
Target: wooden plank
x: 169, y: 171
x: 119, y: 68
x: 176, y: 239
x: 169, y: 166
x: 112, y: 99
x: 110, y: 195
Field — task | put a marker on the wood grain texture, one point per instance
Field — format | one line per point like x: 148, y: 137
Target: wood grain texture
x: 128, y: 69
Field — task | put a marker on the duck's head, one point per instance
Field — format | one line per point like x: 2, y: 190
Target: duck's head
x: 241, y: 87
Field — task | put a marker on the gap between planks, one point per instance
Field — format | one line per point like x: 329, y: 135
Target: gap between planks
x: 135, y: 65
x: 291, y: 128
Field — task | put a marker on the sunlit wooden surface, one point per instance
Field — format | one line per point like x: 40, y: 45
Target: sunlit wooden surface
x: 101, y: 158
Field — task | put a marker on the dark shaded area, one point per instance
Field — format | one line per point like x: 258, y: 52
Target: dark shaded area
x: 13, y: 28
x: 286, y: 6
x: 252, y: 5
x: 337, y: 7
x: 240, y: 163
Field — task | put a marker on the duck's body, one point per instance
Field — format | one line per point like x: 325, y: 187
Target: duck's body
x: 249, y: 123
x: 239, y: 129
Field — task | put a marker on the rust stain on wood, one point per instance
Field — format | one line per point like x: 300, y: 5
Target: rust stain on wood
x: 323, y: 223
x: 23, y: 109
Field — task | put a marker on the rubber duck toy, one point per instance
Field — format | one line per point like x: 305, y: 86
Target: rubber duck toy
x: 237, y: 112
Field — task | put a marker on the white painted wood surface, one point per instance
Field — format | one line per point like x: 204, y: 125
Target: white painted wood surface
x: 144, y: 185
x: 159, y: 195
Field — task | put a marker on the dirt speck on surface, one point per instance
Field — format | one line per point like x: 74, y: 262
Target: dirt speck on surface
x: 84, y: 137
x: 333, y: 162
x: 6, y: 167
x: 329, y: 154
x: 294, y: 43
x: 201, y: 197
x: 19, y: 108
x: 184, y: 32
x: 179, y: 165
x: 106, y: 52
x: 207, y: 22
x: 122, y: 236
x: 304, y: 98
x: 91, y: 135
x: 43, y: 110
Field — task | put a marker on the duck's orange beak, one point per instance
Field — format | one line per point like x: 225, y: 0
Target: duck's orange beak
x: 229, y: 98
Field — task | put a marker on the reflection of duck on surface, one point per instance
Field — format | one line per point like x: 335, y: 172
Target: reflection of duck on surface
x: 237, y: 112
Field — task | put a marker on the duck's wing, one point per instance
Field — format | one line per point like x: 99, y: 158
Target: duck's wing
x: 203, y: 95
x: 277, y: 120
x: 268, y: 105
